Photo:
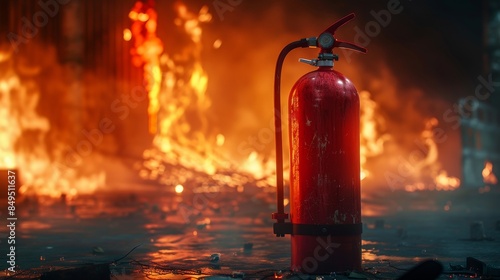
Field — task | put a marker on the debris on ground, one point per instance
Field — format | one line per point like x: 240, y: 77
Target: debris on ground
x: 215, y: 257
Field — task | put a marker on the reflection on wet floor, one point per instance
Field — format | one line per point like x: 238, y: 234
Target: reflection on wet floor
x: 180, y: 234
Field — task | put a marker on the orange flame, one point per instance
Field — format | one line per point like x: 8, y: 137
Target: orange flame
x: 372, y: 144
x: 147, y: 50
x: 429, y: 166
x: 10, y: 131
x: 178, y: 88
x: 446, y: 183
x: 41, y: 171
x: 488, y: 175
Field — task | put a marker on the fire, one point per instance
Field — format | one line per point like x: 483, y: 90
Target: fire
x: 429, y: 167
x: 256, y: 164
x: 488, y: 175
x: 372, y: 144
x: 445, y: 182
x: 183, y: 144
x: 22, y: 141
x: 178, y: 100
x: 184, y: 147
x: 184, y: 96
x: 147, y: 50
x: 10, y: 132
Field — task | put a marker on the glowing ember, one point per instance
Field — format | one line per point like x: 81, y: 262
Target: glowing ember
x: 179, y: 189
x: 127, y: 34
x: 217, y: 44
x: 488, y: 175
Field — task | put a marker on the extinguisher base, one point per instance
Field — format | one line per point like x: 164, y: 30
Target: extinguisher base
x: 326, y: 254
x: 280, y: 229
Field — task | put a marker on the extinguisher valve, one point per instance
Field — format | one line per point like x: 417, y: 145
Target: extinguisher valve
x: 313, y: 62
x: 312, y: 42
x: 326, y: 41
x: 324, y: 59
x: 328, y: 56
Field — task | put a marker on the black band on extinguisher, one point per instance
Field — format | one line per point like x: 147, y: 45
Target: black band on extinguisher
x: 318, y: 230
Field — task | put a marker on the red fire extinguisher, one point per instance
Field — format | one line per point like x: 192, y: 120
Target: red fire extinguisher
x: 325, y: 219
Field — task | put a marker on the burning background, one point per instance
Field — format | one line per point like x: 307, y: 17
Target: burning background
x: 158, y: 114
x: 114, y: 95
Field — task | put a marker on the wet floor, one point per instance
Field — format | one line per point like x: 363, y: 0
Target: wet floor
x: 180, y: 235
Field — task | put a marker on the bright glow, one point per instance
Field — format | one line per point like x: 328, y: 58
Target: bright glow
x: 185, y: 143
x: 286, y: 201
x: 143, y: 17
x: 488, y: 175
x: 429, y: 166
x: 446, y: 183
x: 217, y: 44
x: 42, y: 171
x: 147, y: 50
x: 204, y: 15
x: 179, y: 189
x: 257, y: 166
x: 220, y: 140
x: 133, y: 14
x: 362, y: 174
x: 5, y: 55
x: 127, y: 34
x: 372, y: 144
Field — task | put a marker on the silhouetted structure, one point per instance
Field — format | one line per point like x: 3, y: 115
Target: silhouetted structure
x: 480, y: 123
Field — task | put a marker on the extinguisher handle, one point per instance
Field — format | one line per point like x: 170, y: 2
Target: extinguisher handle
x: 338, y: 43
x: 347, y: 45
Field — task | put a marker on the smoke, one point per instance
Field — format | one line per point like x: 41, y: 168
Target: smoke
x: 412, y: 71
x: 241, y: 72
x: 403, y: 79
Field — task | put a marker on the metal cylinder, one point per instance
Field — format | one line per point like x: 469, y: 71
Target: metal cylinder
x: 325, y: 173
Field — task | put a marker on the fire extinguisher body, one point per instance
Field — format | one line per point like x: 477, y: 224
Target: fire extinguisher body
x: 325, y: 173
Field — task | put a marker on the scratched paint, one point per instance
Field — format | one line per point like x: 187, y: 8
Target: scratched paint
x: 324, y: 159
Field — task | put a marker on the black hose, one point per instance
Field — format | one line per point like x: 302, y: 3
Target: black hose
x: 303, y: 43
